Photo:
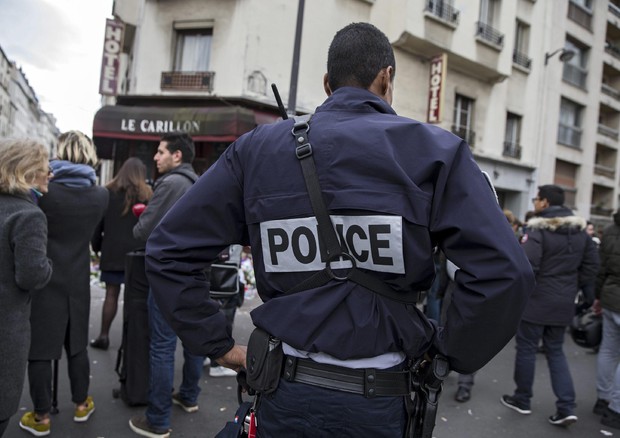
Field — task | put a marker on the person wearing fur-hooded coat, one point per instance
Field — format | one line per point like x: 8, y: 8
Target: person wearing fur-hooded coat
x: 563, y: 257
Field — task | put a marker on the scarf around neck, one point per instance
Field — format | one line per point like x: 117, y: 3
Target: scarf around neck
x: 72, y: 175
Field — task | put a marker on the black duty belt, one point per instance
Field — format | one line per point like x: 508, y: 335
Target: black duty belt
x: 369, y: 382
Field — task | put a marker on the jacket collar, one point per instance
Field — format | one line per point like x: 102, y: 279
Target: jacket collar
x: 355, y: 99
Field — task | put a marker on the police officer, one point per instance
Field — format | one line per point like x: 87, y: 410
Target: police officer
x: 395, y: 188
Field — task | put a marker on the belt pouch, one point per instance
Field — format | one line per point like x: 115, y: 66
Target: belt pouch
x: 264, y: 361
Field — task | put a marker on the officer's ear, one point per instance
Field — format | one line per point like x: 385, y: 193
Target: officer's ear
x: 383, y: 85
x: 326, y: 86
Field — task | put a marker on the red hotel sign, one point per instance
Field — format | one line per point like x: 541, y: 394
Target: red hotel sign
x: 110, y: 64
x: 436, y: 88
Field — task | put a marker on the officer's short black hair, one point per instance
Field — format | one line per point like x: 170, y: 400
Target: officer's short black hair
x: 356, y: 55
x: 180, y: 141
x: 552, y: 193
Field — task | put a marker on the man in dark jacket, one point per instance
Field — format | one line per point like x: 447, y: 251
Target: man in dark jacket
x: 394, y: 188
x: 173, y: 158
x: 608, y: 302
x: 563, y: 256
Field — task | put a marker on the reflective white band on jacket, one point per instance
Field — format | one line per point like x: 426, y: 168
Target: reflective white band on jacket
x: 381, y: 362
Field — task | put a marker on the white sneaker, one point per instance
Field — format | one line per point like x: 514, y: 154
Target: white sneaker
x: 207, y: 362
x: 222, y: 372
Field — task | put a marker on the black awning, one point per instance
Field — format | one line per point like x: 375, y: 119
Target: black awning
x: 150, y: 123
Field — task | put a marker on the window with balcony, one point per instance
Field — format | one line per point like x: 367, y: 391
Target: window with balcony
x: 614, y: 7
x: 602, y: 199
x: 610, y: 84
x: 605, y: 161
x: 569, y: 129
x: 512, y: 136
x: 444, y: 10
x: 580, y: 11
x: 463, y: 119
x: 566, y: 177
x: 191, y: 60
x: 193, y: 50
x: 486, y: 26
x: 576, y: 69
x: 608, y: 121
x: 522, y: 41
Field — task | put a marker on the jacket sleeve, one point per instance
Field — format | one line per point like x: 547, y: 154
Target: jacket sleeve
x: 495, y: 277
x: 589, y: 264
x: 33, y: 269
x: 533, y: 247
x: 204, y: 222
x: 601, y: 276
x: 97, y: 238
x: 164, y: 197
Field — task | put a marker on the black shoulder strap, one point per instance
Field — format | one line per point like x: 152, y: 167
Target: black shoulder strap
x: 334, y: 251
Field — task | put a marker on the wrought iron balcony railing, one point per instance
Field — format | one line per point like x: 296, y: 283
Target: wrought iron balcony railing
x: 607, y: 171
x: 512, y: 150
x: 490, y: 34
x: 443, y: 10
x: 569, y: 135
x: 521, y: 59
x: 575, y: 75
x: 608, y: 131
x: 466, y: 134
x: 187, y: 80
x: 610, y: 91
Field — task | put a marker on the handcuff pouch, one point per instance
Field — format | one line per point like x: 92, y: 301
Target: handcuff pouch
x: 264, y: 361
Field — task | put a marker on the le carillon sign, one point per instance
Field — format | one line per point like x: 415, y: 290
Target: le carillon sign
x: 150, y: 123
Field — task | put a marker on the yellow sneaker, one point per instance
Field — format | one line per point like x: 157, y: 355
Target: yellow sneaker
x: 82, y: 415
x: 30, y: 424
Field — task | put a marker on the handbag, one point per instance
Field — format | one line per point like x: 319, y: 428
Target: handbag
x: 223, y: 280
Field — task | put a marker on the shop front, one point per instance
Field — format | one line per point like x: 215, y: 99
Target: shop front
x: 123, y: 131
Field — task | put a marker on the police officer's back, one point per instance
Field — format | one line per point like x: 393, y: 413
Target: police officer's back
x: 394, y: 188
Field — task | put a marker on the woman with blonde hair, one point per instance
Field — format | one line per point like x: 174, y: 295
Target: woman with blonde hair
x: 73, y: 206
x: 114, y: 237
x: 24, y: 266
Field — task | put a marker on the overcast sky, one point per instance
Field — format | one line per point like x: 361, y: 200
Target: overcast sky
x: 58, y: 44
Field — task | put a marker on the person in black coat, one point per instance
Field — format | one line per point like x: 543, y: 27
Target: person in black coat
x: 24, y: 266
x: 73, y: 207
x: 113, y: 237
x: 563, y: 257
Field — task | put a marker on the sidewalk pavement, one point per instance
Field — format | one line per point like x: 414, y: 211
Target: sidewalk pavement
x: 482, y: 416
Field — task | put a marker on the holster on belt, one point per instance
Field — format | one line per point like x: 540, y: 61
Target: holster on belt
x: 426, y: 381
x: 264, y: 361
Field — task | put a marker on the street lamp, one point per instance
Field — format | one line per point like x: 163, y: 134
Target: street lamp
x: 565, y: 55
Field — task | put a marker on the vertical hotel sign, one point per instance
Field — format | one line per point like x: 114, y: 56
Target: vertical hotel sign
x: 110, y: 63
x: 436, y: 88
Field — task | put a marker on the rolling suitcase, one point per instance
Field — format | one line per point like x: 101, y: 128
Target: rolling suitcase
x: 132, y: 362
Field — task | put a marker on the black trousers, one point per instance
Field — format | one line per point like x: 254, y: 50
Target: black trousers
x: 40, y: 380
x: 3, y: 425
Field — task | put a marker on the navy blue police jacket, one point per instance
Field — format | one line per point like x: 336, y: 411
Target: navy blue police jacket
x: 395, y: 188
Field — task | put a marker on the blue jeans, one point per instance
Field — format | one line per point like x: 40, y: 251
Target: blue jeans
x: 298, y: 410
x: 161, y: 383
x: 608, y: 361
x: 528, y: 338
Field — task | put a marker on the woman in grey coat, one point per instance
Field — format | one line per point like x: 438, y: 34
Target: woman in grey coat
x: 24, y: 266
x: 73, y: 207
